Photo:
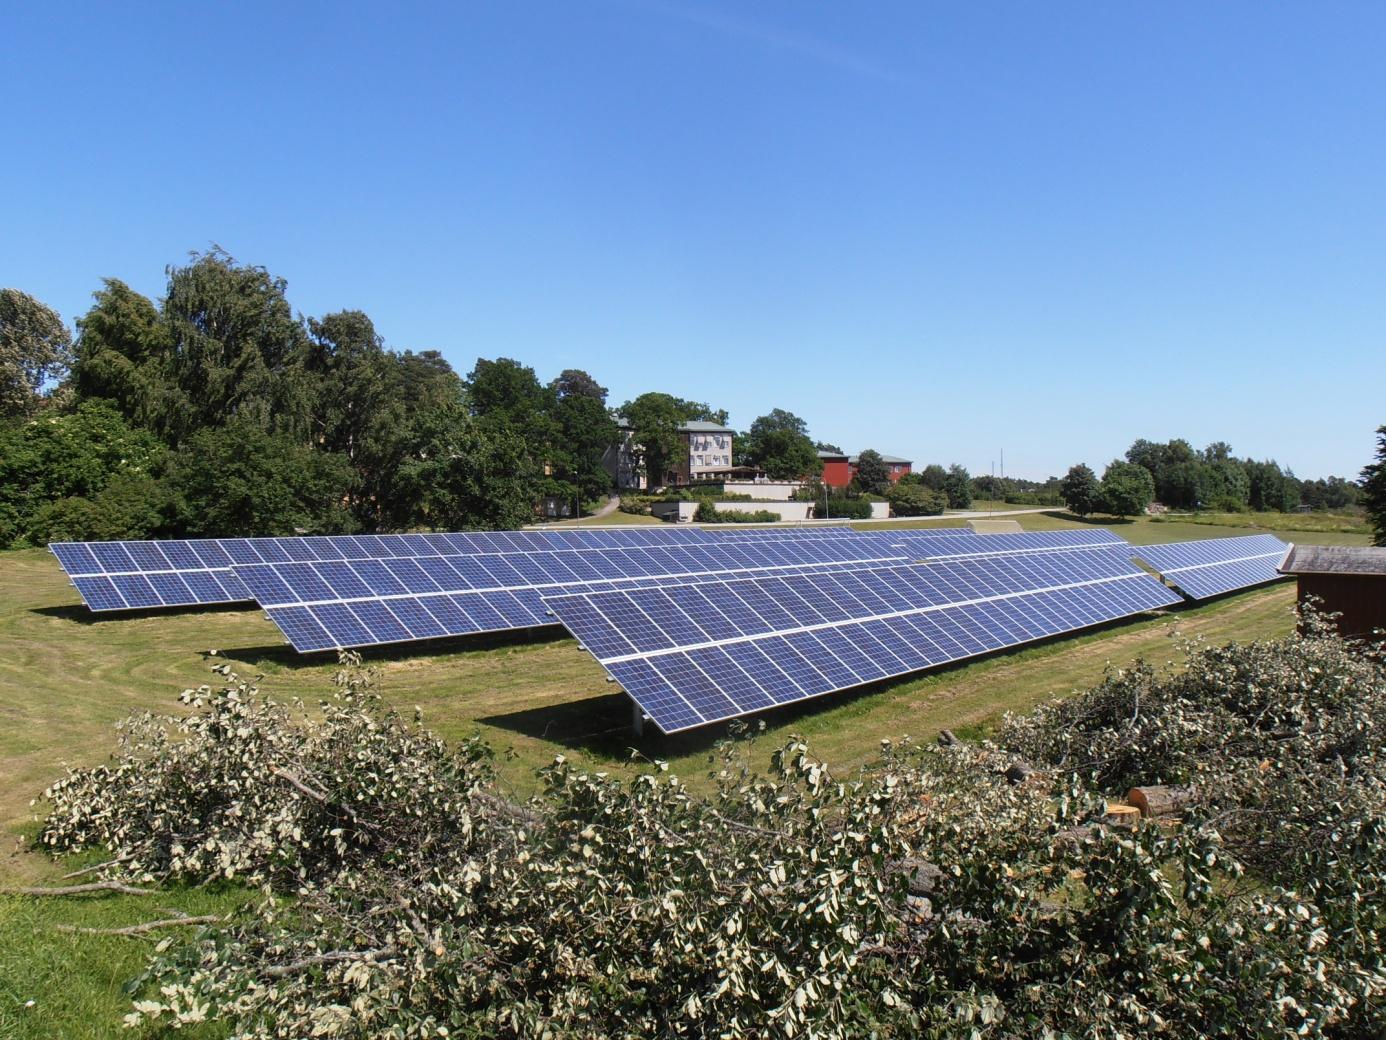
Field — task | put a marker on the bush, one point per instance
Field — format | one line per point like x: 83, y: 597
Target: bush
x: 916, y: 500
x: 129, y: 507
x: 636, y: 505
x: 843, y: 509
x: 407, y: 897
x: 708, y: 514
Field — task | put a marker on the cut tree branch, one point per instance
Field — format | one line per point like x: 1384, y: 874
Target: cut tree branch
x: 73, y: 890
x: 278, y: 971
x: 299, y: 785
x: 141, y: 929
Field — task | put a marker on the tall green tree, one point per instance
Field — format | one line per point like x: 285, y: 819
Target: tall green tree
x: 421, y: 392
x: 958, y: 487
x: 35, y: 349
x: 873, y: 475
x: 1127, y: 488
x: 934, y: 477
x: 351, y: 382
x: 1374, y: 488
x: 585, y: 430
x: 123, y: 354
x: 655, y: 419
x: 1081, y: 491
x: 236, y: 350
x: 468, y: 474
x: 779, y: 444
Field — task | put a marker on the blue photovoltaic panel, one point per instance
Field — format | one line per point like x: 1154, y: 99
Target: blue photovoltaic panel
x: 140, y: 575
x: 931, y: 544
x: 129, y: 575
x: 1212, y: 566
x: 690, y: 655
x: 320, y: 605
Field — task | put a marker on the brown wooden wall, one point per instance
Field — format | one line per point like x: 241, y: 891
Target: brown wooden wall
x: 1359, y: 598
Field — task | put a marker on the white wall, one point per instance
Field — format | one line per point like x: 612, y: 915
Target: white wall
x: 785, y: 510
x: 775, y: 490
x: 675, y: 512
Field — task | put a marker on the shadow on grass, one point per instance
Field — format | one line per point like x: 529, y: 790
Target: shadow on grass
x: 286, y: 656
x: 1095, y: 521
x: 83, y: 615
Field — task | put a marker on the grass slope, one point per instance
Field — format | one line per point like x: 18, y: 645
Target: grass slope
x: 66, y: 676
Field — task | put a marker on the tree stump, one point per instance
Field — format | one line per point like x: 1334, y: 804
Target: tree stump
x: 1161, y: 801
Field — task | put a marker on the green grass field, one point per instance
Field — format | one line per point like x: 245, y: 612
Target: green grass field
x: 66, y: 676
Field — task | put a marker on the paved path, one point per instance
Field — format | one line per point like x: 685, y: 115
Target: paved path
x: 612, y: 503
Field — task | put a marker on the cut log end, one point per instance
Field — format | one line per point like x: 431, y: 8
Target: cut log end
x: 1161, y: 800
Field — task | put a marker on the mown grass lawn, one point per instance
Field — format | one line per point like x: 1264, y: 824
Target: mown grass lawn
x: 66, y: 677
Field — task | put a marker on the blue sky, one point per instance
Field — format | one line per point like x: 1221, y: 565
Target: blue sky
x: 939, y: 230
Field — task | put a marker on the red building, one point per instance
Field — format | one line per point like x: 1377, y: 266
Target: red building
x: 836, y: 469
x: 839, y: 469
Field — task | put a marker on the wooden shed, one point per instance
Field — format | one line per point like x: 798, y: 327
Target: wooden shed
x: 1346, y: 580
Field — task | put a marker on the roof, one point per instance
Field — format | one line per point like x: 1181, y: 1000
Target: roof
x: 696, y: 426
x: 831, y: 454
x: 1334, y: 559
x: 889, y: 460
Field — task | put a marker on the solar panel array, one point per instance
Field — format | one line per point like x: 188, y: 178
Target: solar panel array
x: 1213, y: 566
x: 690, y: 655
x: 697, y: 625
x: 350, y: 603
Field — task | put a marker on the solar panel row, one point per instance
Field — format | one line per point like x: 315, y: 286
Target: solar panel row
x: 1213, y: 566
x: 321, y: 605
x: 695, y: 654
x: 125, y: 575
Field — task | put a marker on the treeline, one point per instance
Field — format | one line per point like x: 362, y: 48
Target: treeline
x: 217, y: 411
x: 1181, y: 478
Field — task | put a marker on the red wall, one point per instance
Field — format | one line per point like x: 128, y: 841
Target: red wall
x: 890, y: 467
x: 836, y: 473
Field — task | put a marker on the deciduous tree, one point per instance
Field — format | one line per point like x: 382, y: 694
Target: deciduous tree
x: 1127, y: 489
x: 35, y: 349
x: 779, y: 444
x: 873, y: 475
x: 958, y: 487
x: 239, y: 480
x: 1081, y: 491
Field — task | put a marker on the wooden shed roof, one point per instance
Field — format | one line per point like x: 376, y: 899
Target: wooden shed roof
x: 1334, y: 559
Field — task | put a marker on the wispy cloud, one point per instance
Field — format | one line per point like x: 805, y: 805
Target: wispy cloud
x: 772, y: 38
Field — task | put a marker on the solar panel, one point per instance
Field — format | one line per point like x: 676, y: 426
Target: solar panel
x: 689, y: 655
x: 136, y: 575
x: 130, y: 575
x: 328, y: 604
x: 934, y: 545
x: 1212, y: 566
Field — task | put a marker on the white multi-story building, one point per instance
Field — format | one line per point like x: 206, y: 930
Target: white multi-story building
x: 707, y: 455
